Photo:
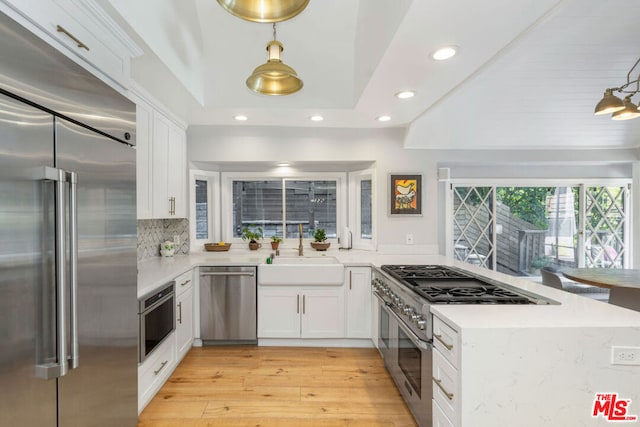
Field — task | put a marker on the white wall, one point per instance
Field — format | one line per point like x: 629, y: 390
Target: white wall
x: 229, y: 147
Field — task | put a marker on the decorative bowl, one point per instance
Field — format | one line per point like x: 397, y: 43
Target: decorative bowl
x: 217, y: 247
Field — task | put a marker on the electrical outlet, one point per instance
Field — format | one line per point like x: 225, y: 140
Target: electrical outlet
x: 176, y: 239
x: 409, y: 239
x: 625, y: 355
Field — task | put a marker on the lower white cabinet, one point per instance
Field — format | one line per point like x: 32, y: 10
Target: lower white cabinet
x: 446, y: 375
x: 358, y: 302
x: 184, y: 313
x: 294, y: 312
x: 439, y: 418
x: 155, y: 370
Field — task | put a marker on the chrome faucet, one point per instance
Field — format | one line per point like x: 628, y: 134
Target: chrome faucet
x: 300, y: 249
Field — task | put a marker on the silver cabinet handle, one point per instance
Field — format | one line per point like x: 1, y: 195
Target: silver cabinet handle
x: 172, y: 205
x: 304, y: 299
x: 73, y: 272
x: 298, y: 304
x: 350, y: 278
x: 61, y: 277
x: 63, y: 30
x: 439, y: 384
x: 439, y: 338
x: 180, y: 312
x: 161, y: 367
x: 185, y: 283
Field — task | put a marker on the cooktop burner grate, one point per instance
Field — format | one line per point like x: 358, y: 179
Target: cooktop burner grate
x: 402, y: 272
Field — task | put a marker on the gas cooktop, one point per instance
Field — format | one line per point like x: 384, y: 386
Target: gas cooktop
x: 440, y: 284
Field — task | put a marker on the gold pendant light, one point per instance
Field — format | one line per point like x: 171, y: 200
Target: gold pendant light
x: 629, y: 111
x: 274, y: 77
x: 622, y: 110
x: 264, y: 10
x: 609, y: 104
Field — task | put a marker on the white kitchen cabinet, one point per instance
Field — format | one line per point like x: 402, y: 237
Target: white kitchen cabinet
x: 82, y: 31
x: 184, y: 313
x: 155, y: 370
x: 358, y: 302
x: 144, y: 132
x: 161, y: 167
x: 446, y: 375
x: 293, y: 312
x: 169, y: 166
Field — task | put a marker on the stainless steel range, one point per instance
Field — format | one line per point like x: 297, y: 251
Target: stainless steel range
x: 405, y: 294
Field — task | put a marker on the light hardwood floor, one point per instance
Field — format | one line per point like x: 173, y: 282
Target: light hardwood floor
x: 276, y: 386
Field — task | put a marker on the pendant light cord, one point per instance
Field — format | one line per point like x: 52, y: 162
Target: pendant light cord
x: 274, y: 31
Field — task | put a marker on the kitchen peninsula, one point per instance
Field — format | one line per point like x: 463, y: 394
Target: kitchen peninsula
x: 541, y: 365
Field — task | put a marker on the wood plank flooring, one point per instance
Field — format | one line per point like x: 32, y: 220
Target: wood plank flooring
x: 278, y: 386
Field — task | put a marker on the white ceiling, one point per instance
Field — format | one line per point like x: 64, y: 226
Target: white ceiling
x: 527, y: 75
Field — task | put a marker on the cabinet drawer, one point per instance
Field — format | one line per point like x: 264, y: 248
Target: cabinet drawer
x: 446, y: 391
x: 446, y: 339
x: 184, y: 282
x: 81, y: 33
x: 154, y: 371
x: 439, y: 418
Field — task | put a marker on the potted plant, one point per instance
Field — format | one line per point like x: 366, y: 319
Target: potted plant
x: 320, y: 240
x: 252, y: 234
x: 538, y: 263
x: 275, y: 242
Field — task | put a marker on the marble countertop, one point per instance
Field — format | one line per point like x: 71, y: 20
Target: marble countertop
x: 573, y: 310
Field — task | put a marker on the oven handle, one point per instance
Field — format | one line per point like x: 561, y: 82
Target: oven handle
x: 425, y: 345
x: 157, y: 303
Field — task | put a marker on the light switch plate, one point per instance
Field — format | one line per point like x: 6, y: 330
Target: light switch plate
x: 409, y: 239
x: 625, y: 355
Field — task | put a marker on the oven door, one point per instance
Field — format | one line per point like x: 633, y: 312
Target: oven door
x: 412, y: 370
x: 156, y: 323
x: 384, y: 327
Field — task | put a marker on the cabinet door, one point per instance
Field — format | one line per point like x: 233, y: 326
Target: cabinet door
x: 144, y: 179
x: 176, y: 171
x: 184, y: 321
x: 160, y: 156
x: 323, y: 312
x: 358, y: 304
x: 278, y: 312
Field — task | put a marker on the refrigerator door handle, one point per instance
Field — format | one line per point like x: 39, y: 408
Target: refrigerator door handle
x: 73, y: 271
x: 53, y: 370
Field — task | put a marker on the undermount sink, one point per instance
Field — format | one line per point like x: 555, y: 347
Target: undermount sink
x: 301, y: 271
x: 304, y: 260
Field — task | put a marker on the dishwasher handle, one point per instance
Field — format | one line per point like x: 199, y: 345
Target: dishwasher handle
x: 228, y: 273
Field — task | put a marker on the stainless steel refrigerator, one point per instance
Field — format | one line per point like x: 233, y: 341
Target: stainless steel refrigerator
x: 68, y: 303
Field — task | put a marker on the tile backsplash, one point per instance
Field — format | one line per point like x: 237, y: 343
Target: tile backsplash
x: 152, y: 232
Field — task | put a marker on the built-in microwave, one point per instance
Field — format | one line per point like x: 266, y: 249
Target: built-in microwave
x: 157, y: 315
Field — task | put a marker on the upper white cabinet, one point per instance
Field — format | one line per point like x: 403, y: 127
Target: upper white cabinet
x: 358, y: 302
x: 169, y: 168
x: 82, y: 31
x: 161, y: 165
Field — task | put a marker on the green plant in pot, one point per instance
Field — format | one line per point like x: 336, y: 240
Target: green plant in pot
x: 320, y: 240
x: 275, y: 242
x: 252, y: 234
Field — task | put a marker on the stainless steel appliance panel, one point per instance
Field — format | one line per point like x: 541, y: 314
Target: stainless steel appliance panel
x: 228, y: 305
x: 26, y: 264
x: 30, y: 68
x: 105, y: 382
x: 157, y: 319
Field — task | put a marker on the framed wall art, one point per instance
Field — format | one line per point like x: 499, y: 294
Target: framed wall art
x: 406, y: 194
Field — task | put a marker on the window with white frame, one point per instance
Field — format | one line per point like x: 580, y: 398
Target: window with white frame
x: 361, y: 209
x: 204, y: 217
x: 280, y: 205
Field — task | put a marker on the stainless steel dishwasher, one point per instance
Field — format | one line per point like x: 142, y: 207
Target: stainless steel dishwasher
x: 228, y: 305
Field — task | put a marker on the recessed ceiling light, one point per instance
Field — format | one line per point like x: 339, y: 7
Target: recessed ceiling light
x: 283, y: 164
x: 316, y: 118
x: 405, y: 94
x: 383, y: 118
x: 241, y: 118
x: 444, y: 53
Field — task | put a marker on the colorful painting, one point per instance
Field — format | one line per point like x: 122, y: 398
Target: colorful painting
x: 406, y: 195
